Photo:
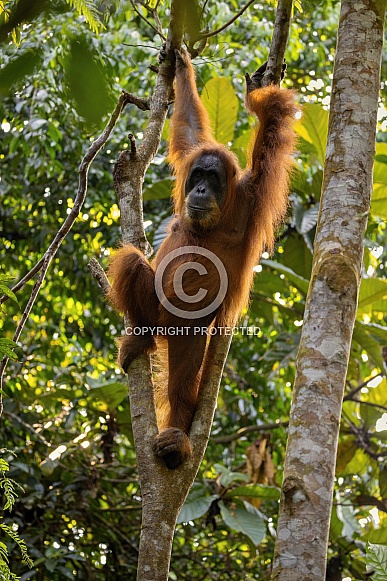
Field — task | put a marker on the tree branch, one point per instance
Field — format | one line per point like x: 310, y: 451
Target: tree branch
x: 233, y: 19
x: 248, y: 430
x: 45, y: 261
x: 350, y: 395
x: 159, y: 32
x: 99, y: 274
x: 278, y: 44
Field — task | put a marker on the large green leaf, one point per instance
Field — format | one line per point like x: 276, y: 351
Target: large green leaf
x: 372, y: 347
x: 18, y: 68
x: 218, y: 97
x: 298, y: 281
x: 313, y: 129
x: 371, y: 290
x: 245, y: 519
x: 336, y: 527
x: 112, y: 394
x: 378, y: 536
x: 379, y: 194
x: 345, y: 452
x: 255, y: 491
x: 88, y: 84
x: 297, y: 256
x: 227, y: 476
x: 159, y: 190
x: 376, y: 561
x: 195, y: 507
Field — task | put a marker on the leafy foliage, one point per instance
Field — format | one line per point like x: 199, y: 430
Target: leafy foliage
x: 9, y: 487
x: 67, y: 416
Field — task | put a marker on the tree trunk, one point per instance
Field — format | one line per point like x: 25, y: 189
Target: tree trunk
x: 330, y: 311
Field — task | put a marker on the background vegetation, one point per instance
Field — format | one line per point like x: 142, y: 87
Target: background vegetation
x: 65, y: 428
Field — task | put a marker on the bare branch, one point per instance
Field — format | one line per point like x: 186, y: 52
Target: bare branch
x: 124, y: 99
x: 28, y: 427
x: 143, y: 104
x: 146, y: 20
x: 99, y: 274
x: 350, y: 395
x: 279, y: 41
x: 65, y: 228
x: 237, y: 15
x: 248, y: 430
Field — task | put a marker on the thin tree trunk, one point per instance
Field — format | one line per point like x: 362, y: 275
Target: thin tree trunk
x: 306, y: 502
x: 163, y: 491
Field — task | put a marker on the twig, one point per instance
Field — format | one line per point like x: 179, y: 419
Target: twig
x: 143, y: 104
x: 370, y: 403
x: 350, y: 394
x: 99, y: 274
x: 66, y: 226
x: 237, y: 15
x: 141, y: 46
x: 24, y: 280
x: 133, y: 148
x: 125, y: 99
x: 146, y: 20
x: 248, y: 430
x: 28, y: 427
x: 203, y: 9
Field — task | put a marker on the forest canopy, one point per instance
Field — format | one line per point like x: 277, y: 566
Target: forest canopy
x: 67, y: 461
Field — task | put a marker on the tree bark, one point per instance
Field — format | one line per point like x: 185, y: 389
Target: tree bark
x: 163, y: 491
x: 322, y: 360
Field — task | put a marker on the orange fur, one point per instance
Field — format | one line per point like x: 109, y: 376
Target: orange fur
x: 237, y: 233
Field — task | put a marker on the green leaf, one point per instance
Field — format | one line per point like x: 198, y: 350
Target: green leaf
x: 6, y: 348
x: 159, y: 190
x: 218, y: 97
x: 88, y: 85
x: 371, y: 290
x: 298, y: 281
x: 345, y: 453
x: 255, y: 491
x: 194, y: 508
x: 383, y: 482
x: 376, y: 560
x: 336, y: 526
x: 313, y: 129
x: 245, y: 519
x: 379, y: 194
x: 228, y: 477
x: 358, y: 464
x: 18, y: 68
x: 48, y: 466
x: 4, y: 290
x: 87, y: 9
x: 369, y: 344
x: 297, y: 256
x: 240, y: 145
x: 378, y: 536
x: 112, y: 394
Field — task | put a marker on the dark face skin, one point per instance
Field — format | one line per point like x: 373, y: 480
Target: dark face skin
x: 206, y: 187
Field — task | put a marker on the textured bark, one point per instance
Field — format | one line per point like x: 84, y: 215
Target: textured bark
x: 279, y: 42
x: 163, y: 491
x: 322, y: 359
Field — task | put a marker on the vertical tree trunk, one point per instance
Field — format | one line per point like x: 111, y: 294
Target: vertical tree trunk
x: 306, y: 502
